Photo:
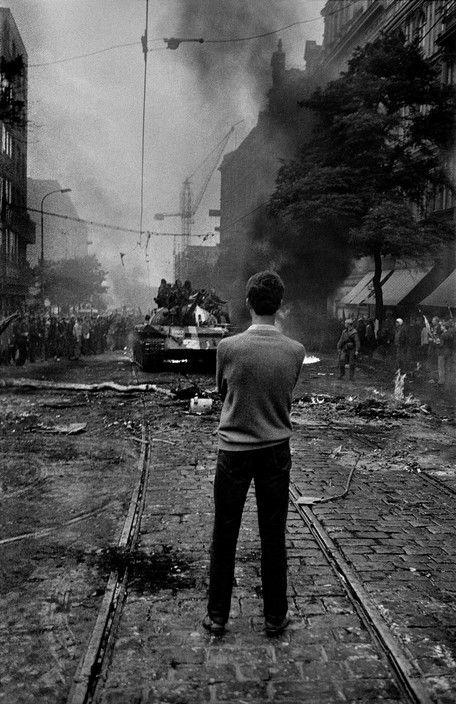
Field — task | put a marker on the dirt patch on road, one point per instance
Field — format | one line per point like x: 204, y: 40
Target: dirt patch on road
x: 149, y: 573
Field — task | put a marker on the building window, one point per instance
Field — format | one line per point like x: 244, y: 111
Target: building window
x: 12, y: 245
x: 5, y: 193
x: 448, y: 198
x: 450, y: 72
x: 11, y: 242
x: 7, y: 142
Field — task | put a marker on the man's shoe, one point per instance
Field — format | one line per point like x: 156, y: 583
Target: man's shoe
x: 217, y: 628
x: 274, y: 628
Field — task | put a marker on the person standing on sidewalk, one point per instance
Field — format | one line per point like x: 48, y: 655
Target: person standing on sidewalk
x: 348, y: 349
x: 256, y: 373
x: 77, y: 338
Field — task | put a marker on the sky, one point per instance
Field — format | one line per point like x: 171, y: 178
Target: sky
x: 85, y: 114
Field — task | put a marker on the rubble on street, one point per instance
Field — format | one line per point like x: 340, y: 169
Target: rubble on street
x: 374, y: 477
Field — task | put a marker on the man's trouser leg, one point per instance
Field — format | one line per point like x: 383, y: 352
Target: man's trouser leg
x: 351, y: 364
x: 441, y: 368
x: 232, y: 479
x: 342, y: 362
x: 272, y: 478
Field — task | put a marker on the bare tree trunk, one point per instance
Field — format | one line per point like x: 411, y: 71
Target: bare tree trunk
x: 377, y: 283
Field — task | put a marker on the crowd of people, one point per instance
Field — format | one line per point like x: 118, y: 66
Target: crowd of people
x: 33, y: 337
x: 415, y: 345
x: 180, y: 304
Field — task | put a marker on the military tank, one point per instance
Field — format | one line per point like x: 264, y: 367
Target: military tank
x: 187, y: 334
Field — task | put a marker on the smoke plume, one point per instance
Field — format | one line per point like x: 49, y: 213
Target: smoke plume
x: 230, y: 67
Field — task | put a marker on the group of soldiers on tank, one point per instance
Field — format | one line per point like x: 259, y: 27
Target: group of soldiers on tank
x: 177, y: 305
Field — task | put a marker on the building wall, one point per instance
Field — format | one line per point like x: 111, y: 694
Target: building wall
x: 200, y: 265
x: 63, y: 239
x: 17, y: 230
x: 352, y: 24
x: 434, y: 23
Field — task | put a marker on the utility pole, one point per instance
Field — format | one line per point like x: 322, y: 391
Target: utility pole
x: 145, y: 48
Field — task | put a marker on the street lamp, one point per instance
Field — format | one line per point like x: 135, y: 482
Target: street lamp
x: 57, y: 190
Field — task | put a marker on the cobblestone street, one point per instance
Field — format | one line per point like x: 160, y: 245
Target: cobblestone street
x: 394, y: 531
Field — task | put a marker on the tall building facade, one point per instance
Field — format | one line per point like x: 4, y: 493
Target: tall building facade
x: 62, y: 238
x: 17, y: 229
x: 349, y: 24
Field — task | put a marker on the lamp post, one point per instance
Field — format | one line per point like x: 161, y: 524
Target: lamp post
x: 57, y: 190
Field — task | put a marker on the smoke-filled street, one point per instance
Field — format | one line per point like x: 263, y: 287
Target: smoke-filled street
x: 70, y: 461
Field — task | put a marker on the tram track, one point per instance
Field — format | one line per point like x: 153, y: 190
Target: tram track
x: 406, y: 674
x: 92, y: 667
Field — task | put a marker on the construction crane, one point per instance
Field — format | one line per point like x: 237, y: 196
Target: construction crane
x: 189, y: 203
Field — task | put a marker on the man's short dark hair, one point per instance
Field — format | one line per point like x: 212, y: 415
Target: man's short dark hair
x: 264, y: 292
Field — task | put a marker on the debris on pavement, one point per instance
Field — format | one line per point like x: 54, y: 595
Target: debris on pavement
x: 183, y: 393
x: 378, y: 407
x: 70, y: 429
x: 200, y: 406
x: 103, y: 386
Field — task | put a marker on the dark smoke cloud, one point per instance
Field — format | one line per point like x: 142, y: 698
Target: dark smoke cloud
x: 312, y: 261
x: 218, y: 66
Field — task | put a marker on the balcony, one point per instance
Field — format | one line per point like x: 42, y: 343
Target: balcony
x: 19, y: 222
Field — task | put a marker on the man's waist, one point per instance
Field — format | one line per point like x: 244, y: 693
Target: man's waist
x: 249, y: 446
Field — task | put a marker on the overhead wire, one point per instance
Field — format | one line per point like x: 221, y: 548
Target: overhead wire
x: 94, y: 53
x: 96, y: 223
x: 205, y: 41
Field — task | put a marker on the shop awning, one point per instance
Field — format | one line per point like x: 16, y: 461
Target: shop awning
x: 396, y: 285
x: 444, y: 295
x: 400, y: 283
x: 363, y: 292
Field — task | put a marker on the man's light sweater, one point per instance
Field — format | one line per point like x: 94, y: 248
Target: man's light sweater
x: 256, y: 373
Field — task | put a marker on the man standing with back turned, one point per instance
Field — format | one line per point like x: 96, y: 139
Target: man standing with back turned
x: 256, y: 373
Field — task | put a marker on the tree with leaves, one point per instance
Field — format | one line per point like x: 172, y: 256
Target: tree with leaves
x: 384, y: 132
x: 71, y: 282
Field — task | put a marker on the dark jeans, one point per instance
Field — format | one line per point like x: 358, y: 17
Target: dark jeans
x: 270, y: 470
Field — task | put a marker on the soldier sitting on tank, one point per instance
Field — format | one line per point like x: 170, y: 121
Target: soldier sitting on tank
x: 162, y: 298
x: 176, y: 296
x: 147, y: 327
x: 187, y: 289
x: 212, y: 301
x: 224, y: 318
x: 162, y: 317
